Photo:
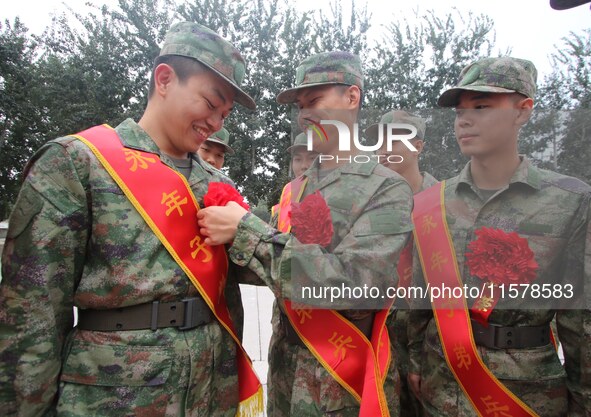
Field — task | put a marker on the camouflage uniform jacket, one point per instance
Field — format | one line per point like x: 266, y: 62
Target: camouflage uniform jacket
x: 552, y: 212
x: 75, y: 240
x: 370, y: 208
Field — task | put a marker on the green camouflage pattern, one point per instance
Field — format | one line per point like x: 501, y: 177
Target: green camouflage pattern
x: 397, y: 329
x: 494, y: 75
x: 370, y: 208
x: 74, y: 239
x: 552, y: 211
x: 195, y: 41
x: 326, y: 68
x: 222, y: 137
x: 398, y: 116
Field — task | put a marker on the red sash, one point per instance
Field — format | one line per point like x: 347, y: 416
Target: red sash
x: 358, y: 364
x: 170, y: 209
x: 438, y: 259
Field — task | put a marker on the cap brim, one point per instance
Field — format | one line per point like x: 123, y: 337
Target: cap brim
x: 566, y: 4
x: 450, y: 97
x: 292, y: 147
x: 240, y: 96
x: 290, y: 95
x: 229, y: 150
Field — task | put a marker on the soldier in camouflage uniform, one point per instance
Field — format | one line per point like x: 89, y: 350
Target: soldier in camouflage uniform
x: 501, y: 189
x: 75, y: 239
x: 370, y: 208
x: 418, y: 181
x: 301, y: 157
x: 214, y: 149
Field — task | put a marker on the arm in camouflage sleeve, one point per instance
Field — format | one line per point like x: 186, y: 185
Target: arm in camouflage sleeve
x: 574, y: 326
x: 42, y: 259
x: 366, y: 254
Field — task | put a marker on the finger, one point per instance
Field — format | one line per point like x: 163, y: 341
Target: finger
x: 204, y: 231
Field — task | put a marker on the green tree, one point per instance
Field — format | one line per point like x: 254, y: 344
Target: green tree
x: 414, y: 62
x: 21, y: 123
x: 566, y: 100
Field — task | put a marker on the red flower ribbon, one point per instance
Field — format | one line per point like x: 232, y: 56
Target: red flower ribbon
x: 499, y: 258
x: 311, y: 222
x: 220, y: 194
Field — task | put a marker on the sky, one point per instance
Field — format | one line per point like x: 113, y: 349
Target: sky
x: 531, y: 28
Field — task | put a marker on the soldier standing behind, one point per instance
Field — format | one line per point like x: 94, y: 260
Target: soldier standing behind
x: 369, y: 209
x: 497, y: 358
x: 301, y: 157
x: 214, y: 149
x: 408, y: 167
x: 147, y: 341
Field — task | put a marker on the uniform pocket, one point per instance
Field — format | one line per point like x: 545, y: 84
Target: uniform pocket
x: 116, y: 365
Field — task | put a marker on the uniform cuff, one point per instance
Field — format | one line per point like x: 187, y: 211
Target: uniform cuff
x: 251, y: 230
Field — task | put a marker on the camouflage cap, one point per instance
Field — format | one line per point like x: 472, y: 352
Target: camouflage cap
x: 494, y: 75
x: 300, y: 141
x: 398, y: 116
x: 198, y: 42
x: 336, y: 67
x: 222, y: 137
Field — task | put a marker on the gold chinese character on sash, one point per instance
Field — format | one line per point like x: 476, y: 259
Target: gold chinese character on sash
x: 464, y: 360
x: 138, y: 160
x: 437, y: 261
x: 428, y: 224
x: 483, y: 303
x: 494, y: 409
x: 200, y: 247
x: 303, y: 314
x: 451, y: 304
x: 341, y: 344
x: 173, y: 202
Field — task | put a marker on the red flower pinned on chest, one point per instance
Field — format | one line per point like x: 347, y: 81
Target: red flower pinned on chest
x: 498, y: 258
x: 220, y: 194
x: 311, y: 222
x: 501, y: 257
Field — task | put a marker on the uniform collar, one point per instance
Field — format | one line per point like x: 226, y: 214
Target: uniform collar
x: 526, y: 173
x: 363, y: 169
x: 134, y: 137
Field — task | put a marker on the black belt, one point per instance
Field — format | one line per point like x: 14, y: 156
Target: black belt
x: 184, y: 315
x: 500, y: 337
x: 365, y: 325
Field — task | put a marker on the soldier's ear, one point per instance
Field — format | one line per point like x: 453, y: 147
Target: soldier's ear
x: 353, y: 95
x: 525, y: 107
x: 419, y: 145
x: 164, y: 75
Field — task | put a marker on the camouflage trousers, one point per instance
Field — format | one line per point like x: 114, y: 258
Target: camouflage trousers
x: 410, y: 406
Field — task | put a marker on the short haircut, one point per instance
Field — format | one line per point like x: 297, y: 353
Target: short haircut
x: 183, y: 67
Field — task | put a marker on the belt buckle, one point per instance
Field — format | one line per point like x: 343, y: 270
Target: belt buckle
x: 191, y: 316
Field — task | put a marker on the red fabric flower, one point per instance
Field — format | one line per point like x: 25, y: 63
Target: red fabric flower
x: 220, y: 194
x: 310, y: 220
x: 501, y: 257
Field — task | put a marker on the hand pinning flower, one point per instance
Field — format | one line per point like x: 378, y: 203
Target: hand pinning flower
x: 220, y: 194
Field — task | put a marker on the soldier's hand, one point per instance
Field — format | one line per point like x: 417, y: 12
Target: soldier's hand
x: 219, y: 224
x: 414, y: 380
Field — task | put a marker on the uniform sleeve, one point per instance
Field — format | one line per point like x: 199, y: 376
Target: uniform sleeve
x: 574, y: 326
x: 364, y: 257
x: 42, y: 260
